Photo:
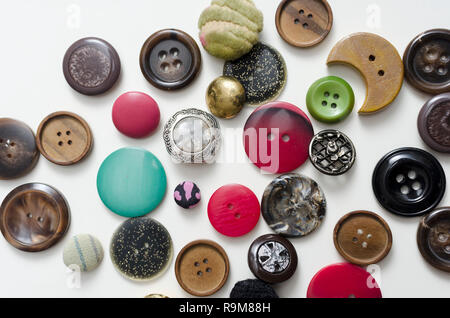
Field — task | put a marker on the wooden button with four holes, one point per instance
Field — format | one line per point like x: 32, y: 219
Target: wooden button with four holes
x: 64, y: 138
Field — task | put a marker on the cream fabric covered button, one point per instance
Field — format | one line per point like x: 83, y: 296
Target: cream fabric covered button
x: 83, y: 252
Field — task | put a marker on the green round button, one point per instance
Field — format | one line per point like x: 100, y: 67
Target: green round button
x: 131, y: 182
x: 330, y: 99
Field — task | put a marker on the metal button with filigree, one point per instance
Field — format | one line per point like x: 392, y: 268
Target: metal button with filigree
x: 192, y: 136
x: 332, y: 152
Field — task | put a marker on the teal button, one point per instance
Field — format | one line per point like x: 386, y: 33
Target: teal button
x: 131, y: 182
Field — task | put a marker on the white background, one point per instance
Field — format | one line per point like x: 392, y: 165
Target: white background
x: 35, y: 36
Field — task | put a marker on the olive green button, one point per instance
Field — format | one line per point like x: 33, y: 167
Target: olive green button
x: 330, y: 99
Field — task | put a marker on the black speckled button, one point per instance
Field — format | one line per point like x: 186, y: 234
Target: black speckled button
x: 409, y: 182
x: 91, y: 66
x: 141, y: 249
x: 262, y: 72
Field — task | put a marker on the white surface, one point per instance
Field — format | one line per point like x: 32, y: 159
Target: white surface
x: 34, y: 39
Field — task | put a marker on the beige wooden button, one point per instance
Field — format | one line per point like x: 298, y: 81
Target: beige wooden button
x: 64, y: 138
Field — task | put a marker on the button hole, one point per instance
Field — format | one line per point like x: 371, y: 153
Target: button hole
x: 174, y: 52
x: 381, y: 72
x: 296, y: 21
x: 286, y: 138
x: 68, y: 133
x: 196, y: 264
x: 40, y: 219
x: 371, y: 58
x: 208, y: 270
x: 60, y: 143
x: 69, y: 142
x: 230, y: 206
x: 324, y: 103
x: 271, y: 136
x: 9, y: 156
x: 237, y: 216
x: 305, y: 25
x: 199, y: 273
x: 205, y: 261
x: 333, y: 105
x: 336, y: 96
x: 302, y: 11
x: 29, y: 215
x: 59, y: 133
x: 162, y: 55
x: 310, y: 16
x: 326, y: 94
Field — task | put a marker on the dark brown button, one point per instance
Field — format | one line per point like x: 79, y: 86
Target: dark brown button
x: 91, y: 66
x: 272, y: 258
x: 33, y: 217
x: 362, y: 237
x: 427, y: 61
x: 18, y: 152
x: 170, y: 59
x: 434, y: 123
x: 304, y: 23
x: 202, y: 268
x: 433, y: 238
x: 64, y: 138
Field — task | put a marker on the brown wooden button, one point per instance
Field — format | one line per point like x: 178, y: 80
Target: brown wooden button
x: 433, y: 238
x: 202, y: 268
x: 18, y: 151
x: 33, y: 217
x: 304, y: 23
x: 170, y: 59
x: 64, y: 138
x: 362, y: 237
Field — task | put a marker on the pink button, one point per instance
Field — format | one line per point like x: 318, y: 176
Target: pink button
x: 135, y: 114
x: 233, y: 210
x: 343, y: 280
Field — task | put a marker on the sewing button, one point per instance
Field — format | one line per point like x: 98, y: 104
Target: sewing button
x: 343, y: 280
x: 225, y: 97
x: 409, y: 182
x: 273, y: 133
x: 202, y: 268
x: 427, y: 61
x: 131, y: 182
x: 170, y: 59
x: 18, y: 151
x: 362, y: 238
x: 83, y: 253
x: 64, y: 138
x: 293, y: 205
x: 433, y: 238
x: 187, y: 195
x: 272, y: 258
x: 252, y: 289
x: 34, y: 217
x: 304, y: 23
x: 434, y: 123
x: 330, y: 99
x: 135, y: 114
x: 233, y: 210
x: 91, y: 66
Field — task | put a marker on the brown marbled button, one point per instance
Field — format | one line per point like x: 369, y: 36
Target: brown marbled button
x: 33, y: 217
x: 91, y: 66
x: 433, y: 238
x: 18, y: 151
x: 362, y: 237
x: 304, y: 23
x: 170, y: 59
x: 64, y: 138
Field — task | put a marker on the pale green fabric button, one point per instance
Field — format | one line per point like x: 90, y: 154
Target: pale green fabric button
x: 83, y: 253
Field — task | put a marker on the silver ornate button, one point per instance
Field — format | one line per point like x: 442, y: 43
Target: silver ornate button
x: 192, y: 136
x: 332, y: 152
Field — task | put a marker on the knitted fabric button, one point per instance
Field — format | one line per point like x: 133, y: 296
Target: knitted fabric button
x: 187, y: 195
x: 251, y: 289
x: 83, y: 252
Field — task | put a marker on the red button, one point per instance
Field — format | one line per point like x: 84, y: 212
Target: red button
x: 277, y: 137
x: 135, y: 114
x: 343, y: 280
x: 233, y: 210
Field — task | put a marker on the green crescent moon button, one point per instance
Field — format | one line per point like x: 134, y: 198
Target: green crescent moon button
x: 131, y: 182
x: 330, y: 99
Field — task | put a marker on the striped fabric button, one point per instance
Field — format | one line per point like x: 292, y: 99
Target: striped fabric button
x: 83, y: 253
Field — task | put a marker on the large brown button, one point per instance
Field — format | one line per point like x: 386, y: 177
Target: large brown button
x: 433, y: 238
x: 64, y: 138
x: 33, y: 217
x: 304, y: 23
x: 362, y: 237
x: 170, y: 59
x: 18, y: 152
x: 202, y: 268
x: 427, y: 61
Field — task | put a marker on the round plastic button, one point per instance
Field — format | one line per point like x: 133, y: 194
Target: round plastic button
x: 434, y: 123
x: 233, y: 210
x: 131, y: 182
x: 135, y: 114
x: 272, y: 258
x: 273, y: 133
x: 34, y: 217
x: 202, y: 268
x: 18, y: 151
x: 409, y: 182
x: 330, y: 99
x: 252, y: 289
x: 362, y: 238
x: 343, y: 280
x: 170, y: 59
x: 83, y: 253
x: 427, y: 61
x: 433, y: 238
x: 187, y: 195
x: 91, y: 66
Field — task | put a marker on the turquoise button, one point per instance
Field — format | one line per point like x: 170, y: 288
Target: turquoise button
x: 131, y: 182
